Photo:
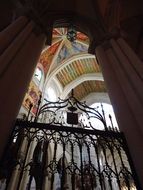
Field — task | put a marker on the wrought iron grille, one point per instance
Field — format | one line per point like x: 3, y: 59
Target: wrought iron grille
x: 53, y: 156
x: 72, y: 113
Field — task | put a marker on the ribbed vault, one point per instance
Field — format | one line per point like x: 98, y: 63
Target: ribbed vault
x: 70, y: 64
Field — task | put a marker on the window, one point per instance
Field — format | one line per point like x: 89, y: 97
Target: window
x: 38, y: 74
x: 51, y: 94
x: 108, y: 110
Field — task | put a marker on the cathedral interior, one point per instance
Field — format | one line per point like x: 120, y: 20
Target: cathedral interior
x: 63, y: 65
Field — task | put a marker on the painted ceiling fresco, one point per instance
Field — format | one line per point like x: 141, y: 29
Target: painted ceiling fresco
x: 62, y: 49
x: 58, y: 56
x: 76, y: 69
x: 87, y: 87
x: 48, y: 55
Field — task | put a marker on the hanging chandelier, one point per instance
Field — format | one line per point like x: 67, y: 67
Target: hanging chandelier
x: 71, y: 33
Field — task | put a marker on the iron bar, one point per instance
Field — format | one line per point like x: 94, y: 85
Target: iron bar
x: 99, y: 167
x: 134, y: 173
x: 72, y: 166
x: 81, y: 166
x: 107, y: 169
x: 90, y: 172
x: 53, y: 162
x: 90, y: 158
x: 23, y: 164
x: 99, y: 142
x: 42, y: 126
x: 63, y: 167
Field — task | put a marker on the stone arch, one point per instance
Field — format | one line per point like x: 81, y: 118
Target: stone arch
x: 79, y: 80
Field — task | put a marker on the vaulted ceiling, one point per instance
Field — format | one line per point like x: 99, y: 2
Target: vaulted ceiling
x: 69, y: 62
x: 77, y: 68
x: 97, y: 19
x: 84, y: 89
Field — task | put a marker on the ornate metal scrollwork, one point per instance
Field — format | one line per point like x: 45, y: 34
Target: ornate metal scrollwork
x: 72, y: 156
x: 71, y: 112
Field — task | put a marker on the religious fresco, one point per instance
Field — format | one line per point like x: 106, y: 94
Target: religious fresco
x: 82, y: 37
x: 59, y: 31
x: 32, y: 97
x: 67, y: 49
x: 78, y: 48
x: 56, y: 32
x: 63, y: 54
x: 48, y: 55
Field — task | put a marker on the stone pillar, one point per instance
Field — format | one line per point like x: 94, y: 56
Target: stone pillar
x: 20, y: 49
x: 122, y: 71
x: 17, y: 170
x: 26, y: 176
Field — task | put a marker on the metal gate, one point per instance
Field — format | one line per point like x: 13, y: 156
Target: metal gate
x: 61, y: 149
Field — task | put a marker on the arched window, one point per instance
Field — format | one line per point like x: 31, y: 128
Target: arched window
x: 51, y: 94
x: 107, y: 114
x: 38, y: 74
x: 108, y: 111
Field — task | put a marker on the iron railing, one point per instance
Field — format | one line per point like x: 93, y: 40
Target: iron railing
x: 59, y: 154
x: 73, y: 113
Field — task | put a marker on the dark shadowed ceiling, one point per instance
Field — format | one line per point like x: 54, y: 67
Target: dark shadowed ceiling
x: 94, y: 20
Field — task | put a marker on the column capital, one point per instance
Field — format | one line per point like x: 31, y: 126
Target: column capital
x: 101, y: 42
x: 40, y: 27
x: 104, y: 41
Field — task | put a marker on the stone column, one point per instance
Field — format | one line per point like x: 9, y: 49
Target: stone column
x: 47, y: 180
x: 26, y: 176
x: 20, y: 49
x: 121, y: 74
